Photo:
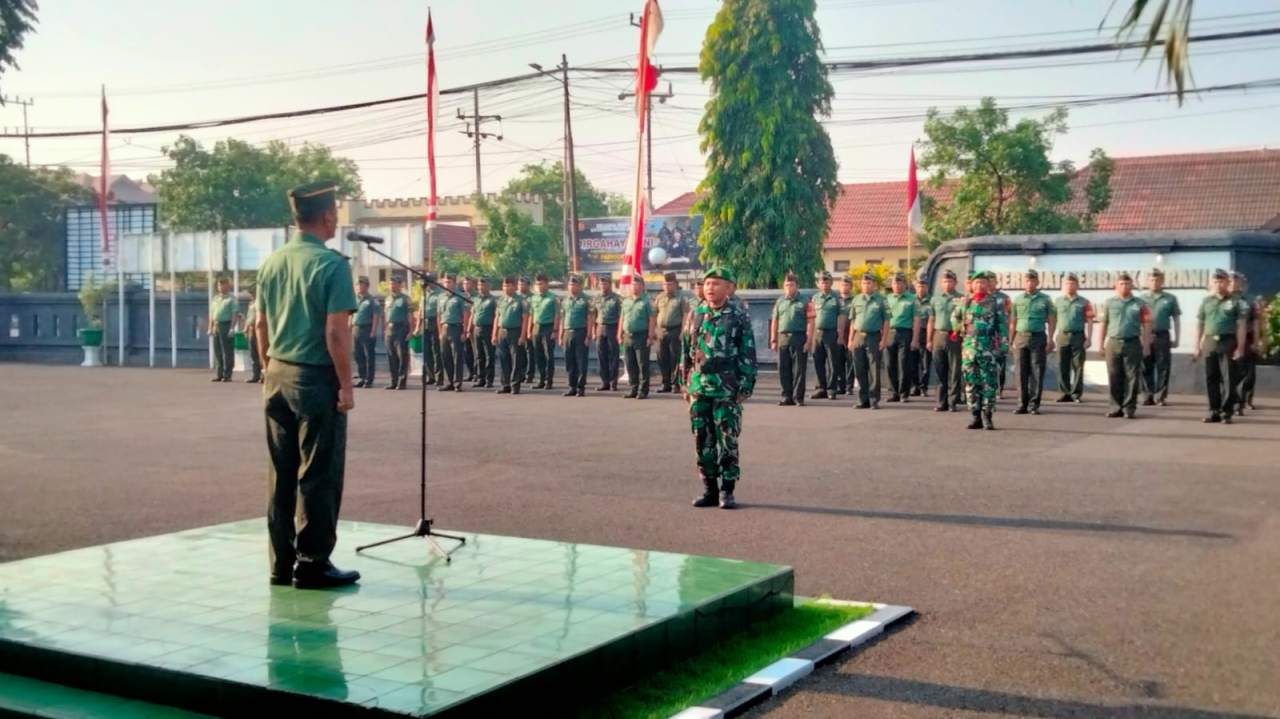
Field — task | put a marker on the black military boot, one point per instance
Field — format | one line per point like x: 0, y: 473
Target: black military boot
x: 726, y: 496
x: 710, y: 496
x: 986, y: 421
x: 976, y: 422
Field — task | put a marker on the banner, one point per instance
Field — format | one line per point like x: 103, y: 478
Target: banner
x: 603, y: 241
x: 248, y: 248
x: 140, y: 254
x: 197, y: 251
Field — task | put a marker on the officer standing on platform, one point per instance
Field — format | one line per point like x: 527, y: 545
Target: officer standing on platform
x: 1126, y: 325
x: 607, y: 308
x: 251, y: 318
x: 672, y: 308
x: 305, y: 301
x: 867, y: 318
x: 454, y: 316
x: 1032, y: 326
x: 510, y: 331
x: 994, y: 287
x: 824, y: 308
x: 842, y: 329
x: 901, y: 340
x: 1075, y: 334
x: 635, y: 336
x: 224, y: 317
x: 530, y: 355
x: 1165, y: 316
x: 364, y: 328
x: 1220, y: 324
x: 483, y: 310
x: 945, y: 347
x: 469, y: 289
x: 1247, y: 368
x: 923, y: 360
x: 395, y: 311
x: 790, y: 328
x: 575, y: 336
x: 429, y: 328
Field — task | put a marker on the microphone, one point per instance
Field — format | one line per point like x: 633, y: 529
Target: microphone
x: 367, y: 239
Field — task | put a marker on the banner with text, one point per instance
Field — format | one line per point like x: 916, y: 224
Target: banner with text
x: 601, y: 242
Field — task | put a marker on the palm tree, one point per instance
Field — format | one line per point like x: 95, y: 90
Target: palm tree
x: 1170, y: 27
x: 17, y: 18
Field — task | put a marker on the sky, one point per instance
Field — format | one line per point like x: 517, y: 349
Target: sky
x: 167, y: 62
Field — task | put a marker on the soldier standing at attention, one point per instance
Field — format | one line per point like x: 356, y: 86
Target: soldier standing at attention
x: 483, y: 309
x: 395, y: 311
x: 607, y: 308
x: 867, y: 318
x: 224, y: 317
x: 994, y: 287
x: 1126, y: 325
x: 1220, y: 324
x: 432, y: 364
x: 545, y: 311
x: 469, y: 289
x: 717, y: 374
x: 1165, y: 314
x: 1075, y: 335
x: 846, y: 358
x: 944, y: 343
x: 790, y: 328
x: 510, y: 331
x: 923, y: 360
x: 454, y: 317
x: 901, y: 340
x: 1251, y: 347
x: 305, y: 301
x: 575, y: 336
x: 530, y: 355
x: 364, y: 327
x: 635, y: 335
x: 672, y: 307
x: 250, y: 319
x: 824, y: 308
x: 1032, y: 326
x: 981, y: 320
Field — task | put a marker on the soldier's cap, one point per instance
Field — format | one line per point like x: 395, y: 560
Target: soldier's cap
x: 669, y: 277
x: 397, y: 278
x: 1073, y: 277
x: 431, y: 277
x: 524, y: 279
x: 948, y: 275
x: 869, y: 276
x: 1238, y: 275
x: 1157, y: 272
x: 449, y: 276
x: 922, y: 279
x: 720, y: 272
x: 469, y: 278
x: 482, y: 278
x: 977, y: 275
x: 824, y: 275
x: 1221, y: 275
x: 604, y: 277
x: 1032, y: 275
x: 899, y: 277
x: 991, y: 275
x: 575, y: 279
x: 313, y: 197
x: 1124, y: 277
x: 847, y: 279
x: 363, y: 280
x: 540, y: 277
x: 791, y: 277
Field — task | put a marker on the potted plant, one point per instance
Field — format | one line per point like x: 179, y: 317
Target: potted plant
x: 92, y: 295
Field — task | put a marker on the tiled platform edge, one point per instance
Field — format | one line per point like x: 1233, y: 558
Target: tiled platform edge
x: 776, y: 677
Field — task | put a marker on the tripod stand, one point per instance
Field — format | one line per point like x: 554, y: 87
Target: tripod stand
x: 423, y: 528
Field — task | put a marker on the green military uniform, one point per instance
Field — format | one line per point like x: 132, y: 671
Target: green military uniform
x: 469, y: 347
x: 251, y: 337
x: 791, y: 322
x: 366, y: 342
x: 530, y: 356
x: 1220, y: 318
x: 1123, y: 351
x: 607, y: 310
x: 1032, y: 313
x: 222, y: 310
x: 984, y: 326
x: 636, y: 312
x: 299, y: 286
x: 1155, y: 366
x: 846, y: 378
x: 825, y: 308
x: 1247, y: 367
x: 947, y: 348
x: 432, y: 364
x: 671, y: 310
x: 451, y: 310
x: 866, y: 315
x: 510, y: 314
x: 902, y: 322
x: 921, y: 357
x: 1074, y: 315
x: 1002, y: 362
x: 575, y: 311
x: 718, y: 370
x: 543, y: 307
x: 396, y: 307
x: 483, y: 310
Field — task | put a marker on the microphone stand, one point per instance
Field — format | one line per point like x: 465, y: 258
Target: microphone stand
x: 423, y: 528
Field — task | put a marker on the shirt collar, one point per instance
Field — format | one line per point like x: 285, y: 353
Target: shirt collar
x: 309, y: 238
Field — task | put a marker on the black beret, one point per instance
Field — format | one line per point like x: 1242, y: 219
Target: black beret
x: 1238, y: 275
x: 824, y: 275
x: 575, y: 279
x: 1072, y: 277
x: 397, y: 278
x: 922, y: 279
x: 669, y: 277
x: 899, y: 277
x: 948, y: 275
x: 1032, y: 275
x: 364, y: 280
x: 847, y: 279
x: 313, y: 197
x: 869, y: 276
x: 791, y: 277
x: 1157, y: 272
x: 1221, y: 275
x: 431, y: 277
x: 469, y: 278
x: 1124, y: 277
x: 605, y: 277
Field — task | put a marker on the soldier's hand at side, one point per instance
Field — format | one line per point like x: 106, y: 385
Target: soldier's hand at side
x: 649, y: 341
x: 1173, y: 344
x: 1239, y: 354
x: 808, y: 346
x: 773, y: 345
x: 929, y: 346
x: 915, y: 345
x: 346, y: 400
x: 1050, y: 346
x: 1198, y: 353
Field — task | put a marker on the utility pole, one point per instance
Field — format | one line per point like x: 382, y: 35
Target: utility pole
x: 26, y: 129
x: 474, y: 121
x: 648, y: 119
x: 570, y: 171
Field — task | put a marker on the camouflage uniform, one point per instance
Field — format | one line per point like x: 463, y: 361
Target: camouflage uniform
x: 984, y: 326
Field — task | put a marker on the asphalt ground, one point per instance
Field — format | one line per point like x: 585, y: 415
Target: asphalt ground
x: 1066, y: 565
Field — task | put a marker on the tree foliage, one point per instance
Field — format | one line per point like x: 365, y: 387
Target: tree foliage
x: 237, y: 184
x: 1001, y: 178
x: 17, y: 19
x: 460, y: 263
x: 513, y: 245
x: 32, y: 204
x: 546, y: 180
x: 1169, y: 29
x: 771, y: 171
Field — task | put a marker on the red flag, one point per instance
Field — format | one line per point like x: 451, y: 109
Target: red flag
x: 433, y: 109
x: 646, y: 80
x: 104, y: 181
x: 915, y: 214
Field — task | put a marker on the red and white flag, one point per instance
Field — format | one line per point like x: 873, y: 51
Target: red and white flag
x: 433, y: 110
x: 646, y: 81
x: 104, y: 181
x: 915, y: 213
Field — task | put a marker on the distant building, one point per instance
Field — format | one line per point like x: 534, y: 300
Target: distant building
x: 132, y: 207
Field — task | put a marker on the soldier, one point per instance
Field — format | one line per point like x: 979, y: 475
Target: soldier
x: 544, y: 310
x: 454, y: 316
x: 1247, y: 368
x: 635, y: 336
x: 510, y: 331
x: 867, y: 318
x: 224, y: 317
x: 945, y: 343
x: 607, y: 308
x: 994, y: 287
x: 1165, y: 327
x: 923, y: 360
x: 395, y: 312
x: 469, y: 290
x: 1075, y: 335
x: 305, y: 301
x: 824, y: 308
x: 901, y: 340
x: 251, y: 319
x: 672, y: 307
x: 1126, y: 325
x: 483, y: 309
x: 364, y: 327
x: 1032, y: 326
x: 429, y: 328
x: 846, y: 358
x: 981, y: 320
x: 1220, y: 323
x: 575, y: 336
x: 530, y: 355
x: 717, y: 374
x: 790, y: 328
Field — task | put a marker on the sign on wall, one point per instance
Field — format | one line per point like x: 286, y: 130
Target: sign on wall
x: 601, y: 242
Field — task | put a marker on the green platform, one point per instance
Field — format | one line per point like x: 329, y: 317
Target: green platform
x: 188, y: 620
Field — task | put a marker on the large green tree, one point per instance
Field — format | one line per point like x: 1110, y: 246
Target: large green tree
x: 513, y: 245
x: 546, y: 180
x: 1001, y: 178
x: 237, y: 184
x: 771, y: 171
x: 17, y: 19
x: 32, y: 203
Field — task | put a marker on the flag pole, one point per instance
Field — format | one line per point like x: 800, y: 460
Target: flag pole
x: 151, y: 301
x: 173, y: 302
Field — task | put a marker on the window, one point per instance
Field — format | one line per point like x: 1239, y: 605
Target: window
x: 875, y: 262
x: 841, y: 266
x: 57, y: 325
x: 15, y: 326
x: 195, y: 327
x: 35, y: 325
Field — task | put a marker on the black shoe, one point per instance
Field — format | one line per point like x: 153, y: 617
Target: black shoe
x: 216, y: 379
x: 402, y: 385
x: 831, y: 396
x: 788, y: 402
x: 470, y: 378
x: 1020, y: 410
x: 632, y: 394
x: 976, y: 422
x: 955, y: 408
x: 915, y: 392
x: 446, y: 388
x: 1212, y: 419
x: 726, y: 497
x: 942, y: 408
x: 1064, y: 398
x: 894, y: 398
x: 602, y: 388
x: 458, y: 388
x: 326, y: 577
x: 800, y: 401
x: 515, y: 389
x: 841, y: 391
x: 393, y: 385
x: 1149, y: 402
x: 1128, y: 415
x: 643, y: 395
x: 821, y: 394
x: 1226, y: 419
x: 1078, y: 400
x: 666, y: 389
x: 1250, y: 406
x: 357, y: 384
x: 987, y: 422
x: 504, y: 390
x: 541, y: 385
x: 1115, y: 415
x: 710, y: 493
x: 1035, y: 410
x: 582, y: 391
x: 429, y: 381
x: 1165, y: 403
x: 875, y: 405
x: 282, y: 576
x: 571, y: 393
x: 862, y: 405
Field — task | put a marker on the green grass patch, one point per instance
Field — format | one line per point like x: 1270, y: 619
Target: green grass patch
x: 724, y: 664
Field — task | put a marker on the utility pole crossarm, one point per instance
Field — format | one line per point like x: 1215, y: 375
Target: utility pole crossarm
x: 474, y: 122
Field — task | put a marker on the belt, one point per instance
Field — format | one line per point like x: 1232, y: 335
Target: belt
x: 509, y: 329
x: 575, y: 329
x: 672, y: 328
x: 1160, y: 332
x: 1029, y: 332
x: 1072, y: 332
x: 635, y: 332
x: 607, y: 324
x: 1125, y: 339
x: 795, y: 332
x: 824, y: 329
x: 867, y: 332
x: 402, y: 322
x: 1219, y: 338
